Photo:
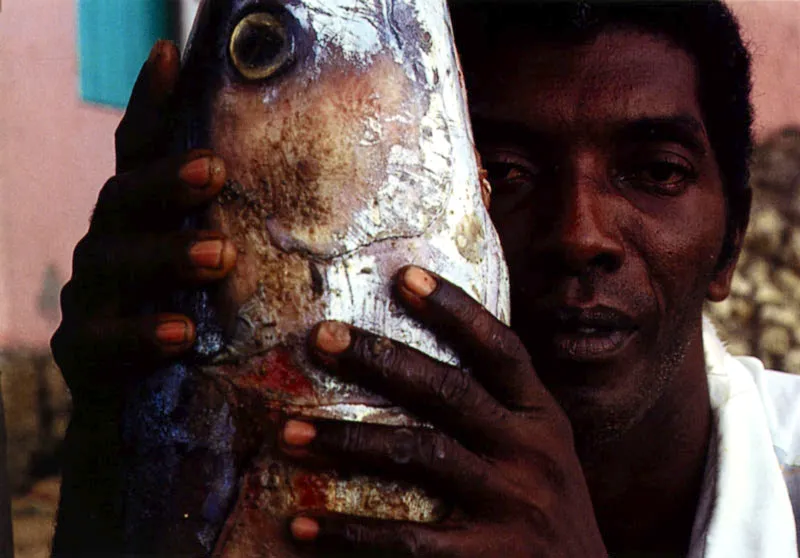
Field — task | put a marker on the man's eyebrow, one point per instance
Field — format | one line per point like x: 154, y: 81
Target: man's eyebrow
x: 493, y: 129
x: 684, y: 129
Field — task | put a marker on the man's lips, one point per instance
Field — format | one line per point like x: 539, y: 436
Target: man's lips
x: 593, y: 334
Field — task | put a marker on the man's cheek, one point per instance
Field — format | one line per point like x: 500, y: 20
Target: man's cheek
x: 685, y: 266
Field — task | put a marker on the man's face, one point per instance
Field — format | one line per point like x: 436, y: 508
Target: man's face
x: 611, y: 210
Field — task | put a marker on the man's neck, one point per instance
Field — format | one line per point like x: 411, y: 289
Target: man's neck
x: 645, y: 485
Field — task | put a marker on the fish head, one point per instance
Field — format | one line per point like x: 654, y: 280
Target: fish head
x: 321, y: 109
x: 329, y: 118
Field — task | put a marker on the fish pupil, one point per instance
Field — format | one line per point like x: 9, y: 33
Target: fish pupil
x: 258, y: 45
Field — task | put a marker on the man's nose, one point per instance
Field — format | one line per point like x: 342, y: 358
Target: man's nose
x: 584, y: 235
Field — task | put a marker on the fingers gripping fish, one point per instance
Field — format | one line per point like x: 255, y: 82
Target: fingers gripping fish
x: 344, y: 129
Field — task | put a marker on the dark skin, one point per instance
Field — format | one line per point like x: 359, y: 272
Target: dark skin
x: 585, y: 426
x: 608, y: 141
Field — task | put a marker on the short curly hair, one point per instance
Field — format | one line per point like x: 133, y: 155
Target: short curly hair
x: 706, y: 29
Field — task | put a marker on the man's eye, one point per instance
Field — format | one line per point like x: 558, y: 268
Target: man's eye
x: 510, y: 174
x: 663, y: 172
x: 668, y: 175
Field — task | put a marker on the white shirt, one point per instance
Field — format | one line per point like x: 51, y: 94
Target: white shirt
x: 752, y: 476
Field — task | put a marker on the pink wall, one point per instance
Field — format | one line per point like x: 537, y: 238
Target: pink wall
x: 772, y: 29
x: 56, y: 152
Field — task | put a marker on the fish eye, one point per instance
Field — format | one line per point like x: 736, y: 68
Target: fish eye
x: 260, y: 45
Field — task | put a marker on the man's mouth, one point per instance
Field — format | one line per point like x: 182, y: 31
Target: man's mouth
x: 588, y: 334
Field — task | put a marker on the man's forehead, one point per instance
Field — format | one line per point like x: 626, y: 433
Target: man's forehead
x: 620, y: 75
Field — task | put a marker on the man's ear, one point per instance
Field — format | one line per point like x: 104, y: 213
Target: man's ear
x: 720, y: 286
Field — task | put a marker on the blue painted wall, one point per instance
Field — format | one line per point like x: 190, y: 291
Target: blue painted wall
x: 114, y: 39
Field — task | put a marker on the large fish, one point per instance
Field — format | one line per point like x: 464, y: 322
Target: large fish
x: 344, y: 129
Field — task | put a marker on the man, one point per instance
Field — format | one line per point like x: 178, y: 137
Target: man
x: 610, y: 420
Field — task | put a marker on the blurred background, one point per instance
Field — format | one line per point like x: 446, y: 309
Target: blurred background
x: 66, y: 69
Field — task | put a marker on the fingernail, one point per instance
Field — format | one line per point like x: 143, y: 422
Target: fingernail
x: 418, y: 281
x: 298, y: 433
x: 332, y: 337
x: 155, y: 52
x: 207, y: 253
x: 173, y: 332
x: 304, y: 528
x: 163, y: 66
x: 215, y: 169
x: 196, y: 173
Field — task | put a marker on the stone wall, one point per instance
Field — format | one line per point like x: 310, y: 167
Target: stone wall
x: 762, y: 316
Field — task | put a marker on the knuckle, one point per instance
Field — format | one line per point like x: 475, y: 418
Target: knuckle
x: 163, y: 255
x: 539, y: 510
x: 461, y: 307
x: 506, y: 343
x: 550, y: 470
x: 437, y: 450
x: 453, y: 386
x: 108, y: 198
x: 95, y: 258
x: 378, y: 353
x: 68, y: 299
x: 562, y: 427
x: 122, y: 139
x: 130, y: 340
x: 498, y: 337
x: 499, y: 415
x: 402, y: 446
x: 78, y: 300
x: 353, y: 438
x: 83, y: 253
x: 356, y: 535
x: 473, y: 316
x: 58, y: 345
x: 415, y: 543
x: 542, y: 523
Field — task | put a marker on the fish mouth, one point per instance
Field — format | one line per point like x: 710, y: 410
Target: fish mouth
x: 586, y: 335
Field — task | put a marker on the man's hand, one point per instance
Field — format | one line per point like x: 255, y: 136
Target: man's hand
x: 502, y: 453
x: 134, y: 251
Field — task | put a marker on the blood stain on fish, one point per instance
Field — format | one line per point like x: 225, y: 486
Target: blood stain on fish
x: 310, y: 490
x: 275, y: 373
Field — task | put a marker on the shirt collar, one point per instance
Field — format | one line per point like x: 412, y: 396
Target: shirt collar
x: 744, y: 508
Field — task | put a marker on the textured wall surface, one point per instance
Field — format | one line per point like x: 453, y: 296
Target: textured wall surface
x: 762, y: 316
x: 55, y: 154
x: 772, y: 31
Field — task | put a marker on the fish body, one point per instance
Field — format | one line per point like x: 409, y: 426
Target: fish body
x: 345, y: 133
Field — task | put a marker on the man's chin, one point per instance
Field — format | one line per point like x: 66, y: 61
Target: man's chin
x: 603, y: 400
x: 599, y: 417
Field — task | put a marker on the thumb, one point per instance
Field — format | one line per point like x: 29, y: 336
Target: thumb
x: 141, y: 135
